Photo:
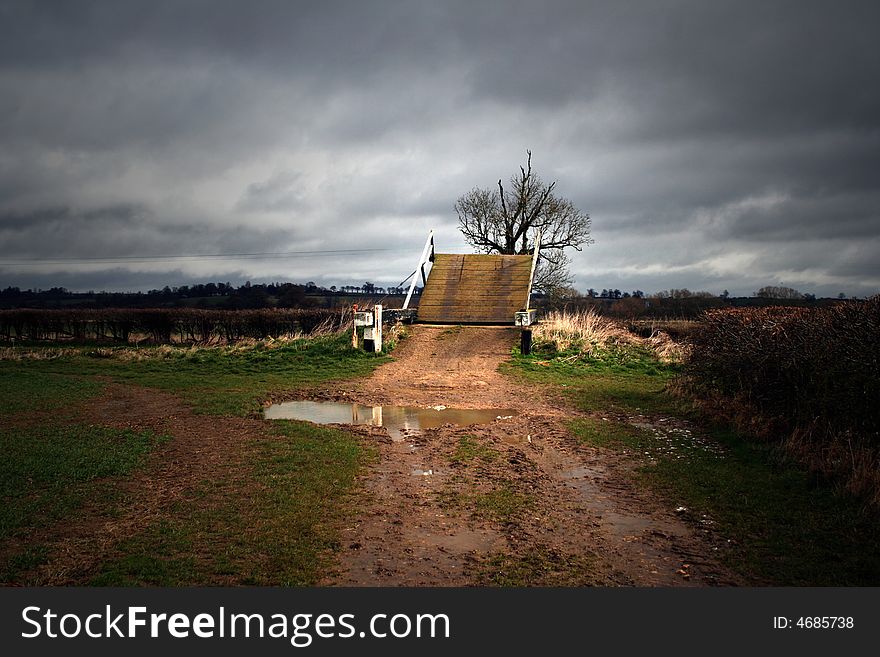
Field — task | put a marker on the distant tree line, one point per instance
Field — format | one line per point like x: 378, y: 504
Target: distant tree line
x: 679, y: 303
x: 674, y: 302
x: 614, y: 294
x: 217, y: 296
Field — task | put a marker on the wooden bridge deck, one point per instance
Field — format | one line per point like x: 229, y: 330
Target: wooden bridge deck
x: 475, y: 288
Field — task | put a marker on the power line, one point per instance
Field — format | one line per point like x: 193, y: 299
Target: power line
x: 192, y: 257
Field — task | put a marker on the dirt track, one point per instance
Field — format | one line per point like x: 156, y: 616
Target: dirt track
x: 575, y: 518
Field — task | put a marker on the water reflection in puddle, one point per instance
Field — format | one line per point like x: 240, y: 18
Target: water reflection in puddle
x: 396, y: 419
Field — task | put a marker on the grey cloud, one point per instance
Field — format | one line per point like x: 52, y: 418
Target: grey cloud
x: 280, y: 193
x: 125, y: 230
x: 858, y: 261
x: 119, y: 279
x: 717, y: 129
x: 46, y: 218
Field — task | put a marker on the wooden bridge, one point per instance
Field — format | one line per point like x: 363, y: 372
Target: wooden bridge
x: 475, y: 289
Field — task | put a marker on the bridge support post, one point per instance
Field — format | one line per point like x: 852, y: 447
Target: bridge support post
x: 525, y: 342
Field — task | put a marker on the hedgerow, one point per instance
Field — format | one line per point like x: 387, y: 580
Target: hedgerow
x: 808, y: 375
x: 162, y: 325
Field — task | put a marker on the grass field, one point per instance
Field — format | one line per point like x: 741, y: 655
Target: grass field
x: 785, y: 527
x: 212, y: 495
x: 268, y: 515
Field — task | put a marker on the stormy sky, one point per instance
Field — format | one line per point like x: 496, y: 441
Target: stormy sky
x: 716, y: 145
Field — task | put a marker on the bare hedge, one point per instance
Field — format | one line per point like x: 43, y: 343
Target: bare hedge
x: 812, y: 374
x: 163, y: 325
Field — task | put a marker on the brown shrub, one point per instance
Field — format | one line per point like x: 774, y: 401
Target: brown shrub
x: 809, y: 374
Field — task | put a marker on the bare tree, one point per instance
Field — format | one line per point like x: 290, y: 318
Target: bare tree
x: 682, y: 293
x: 506, y: 221
x: 778, y: 292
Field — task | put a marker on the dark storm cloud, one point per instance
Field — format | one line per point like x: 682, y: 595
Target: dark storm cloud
x: 46, y: 218
x: 124, y: 279
x: 716, y: 145
x: 125, y: 231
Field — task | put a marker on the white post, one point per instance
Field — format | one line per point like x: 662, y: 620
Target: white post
x: 534, y: 264
x: 354, y: 327
x: 377, y: 328
x: 412, y: 286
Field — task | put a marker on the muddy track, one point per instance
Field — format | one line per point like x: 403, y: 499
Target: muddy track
x: 515, y: 501
x: 524, y: 503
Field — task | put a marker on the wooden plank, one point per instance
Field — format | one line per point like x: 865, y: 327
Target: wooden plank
x: 469, y: 301
x: 462, y: 292
x: 481, y: 278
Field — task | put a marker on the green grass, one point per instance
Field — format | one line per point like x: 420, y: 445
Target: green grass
x: 502, y: 505
x: 784, y: 527
x: 214, y: 380
x: 48, y: 471
x: 26, y: 390
x: 309, y: 476
x: 276, y: 523
x: 539, y: 566
x: 611, y: 434
x: 469, y: 449
x: 790, y: 529
x: 613, y: 381
x: 29, y: 558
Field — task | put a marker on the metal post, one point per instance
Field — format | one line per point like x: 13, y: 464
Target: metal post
x: 412, y: 286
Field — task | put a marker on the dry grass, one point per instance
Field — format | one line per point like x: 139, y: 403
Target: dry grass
x: 665, y: 348
x: 587, y: 331
x: 590, y: 333
x: 138, y: 354
x: 26, y: 353
x: 851, y: 460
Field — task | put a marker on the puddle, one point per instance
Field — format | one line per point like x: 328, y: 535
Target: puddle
x: 396, y: 419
